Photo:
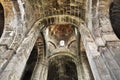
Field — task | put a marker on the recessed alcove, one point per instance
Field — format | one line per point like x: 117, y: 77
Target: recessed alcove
x: 62, y: 68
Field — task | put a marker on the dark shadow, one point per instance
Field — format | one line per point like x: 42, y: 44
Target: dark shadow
x: 1, y: 19
x: 114, y: 12
x: 30, y: 65
x: 62, y: 68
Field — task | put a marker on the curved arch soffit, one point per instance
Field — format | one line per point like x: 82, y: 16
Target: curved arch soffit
x: 68, y: 54
x: 77, y: 22
x: 59, y: 19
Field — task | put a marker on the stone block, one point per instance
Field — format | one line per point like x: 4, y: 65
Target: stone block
x: 99, y: 41
x: 109, y: 37
x: 2, y: 49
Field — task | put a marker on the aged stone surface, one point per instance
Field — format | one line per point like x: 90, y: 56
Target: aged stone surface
x: 80, y: 29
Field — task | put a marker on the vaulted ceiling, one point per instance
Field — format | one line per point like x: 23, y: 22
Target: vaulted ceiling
x: 59, y: 7
x: 26, y: 19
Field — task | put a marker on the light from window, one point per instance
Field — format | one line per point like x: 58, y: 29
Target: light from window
x: 62, y: 43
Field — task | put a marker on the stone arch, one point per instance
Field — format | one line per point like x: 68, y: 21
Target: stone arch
x: 11, y: 26
x: 66, y: 19
x: 69, y: 19
x: 15, y: 28
x: 68, y: 54
x: 80, y: 25
x: 1, y: 19
x: 60, y: 19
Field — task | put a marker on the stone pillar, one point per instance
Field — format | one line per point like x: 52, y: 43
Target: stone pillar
x: 80, y: 71
x: 41, y: 71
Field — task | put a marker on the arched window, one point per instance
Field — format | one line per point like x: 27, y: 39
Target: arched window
x: 62, y: 43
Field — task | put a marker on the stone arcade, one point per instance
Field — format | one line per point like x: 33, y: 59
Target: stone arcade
x: 59, y: 40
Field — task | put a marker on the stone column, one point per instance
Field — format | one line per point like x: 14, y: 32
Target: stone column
x: 80, y: 71
x: 41, y: 71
